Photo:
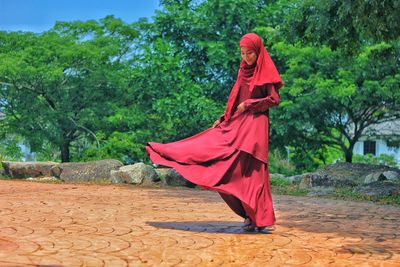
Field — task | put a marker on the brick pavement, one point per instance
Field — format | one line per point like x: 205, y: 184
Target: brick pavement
x: 109, y: 225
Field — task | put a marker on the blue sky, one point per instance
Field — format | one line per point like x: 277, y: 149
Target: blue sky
x: 41, y: 15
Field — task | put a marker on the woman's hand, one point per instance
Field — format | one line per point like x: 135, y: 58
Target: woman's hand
x: 216, y: 123
x: 242, y: 107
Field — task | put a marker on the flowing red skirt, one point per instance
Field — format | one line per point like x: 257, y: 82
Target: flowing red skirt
x: 210, y: 161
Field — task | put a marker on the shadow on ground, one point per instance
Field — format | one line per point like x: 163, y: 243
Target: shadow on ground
x: 206, y: 227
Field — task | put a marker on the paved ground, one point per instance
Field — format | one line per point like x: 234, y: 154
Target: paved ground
x: 98, y: 225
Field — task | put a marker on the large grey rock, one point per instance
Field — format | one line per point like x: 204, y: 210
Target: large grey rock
x: 352, y: 174
x: 163, y: 172
x: 174, y: 178
x: 374, y: 177
x: 392, y: 176
x: 44, y: 179
x: 378, y: 189
x: 28, y: 169
x: 138, y: 173
x: 321, y: 191
x: 295, y: 179
x: 315, y: 180
x: 91, y: 171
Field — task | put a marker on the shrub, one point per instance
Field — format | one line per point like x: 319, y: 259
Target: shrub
x: 382, y: 159
x: 277, y: 164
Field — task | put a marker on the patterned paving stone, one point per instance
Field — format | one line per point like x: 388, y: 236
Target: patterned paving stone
x: 117, y: 225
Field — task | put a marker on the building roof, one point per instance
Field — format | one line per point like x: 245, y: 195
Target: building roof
x: 391, y: 128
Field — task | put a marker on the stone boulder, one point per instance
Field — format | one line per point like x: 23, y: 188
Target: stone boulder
x: 173, y: 178
x: 383, y: 188
x: 138, y: 173
x: 392, y: 176
x: 162, y: 172
x: 353, y: 174
x: 373, y: 177
x: 321, y: 191
x: 44, y: 179
x: 311, y: 180
x: 21, y: 170
x: 295, y: 179
x: 91, y: 171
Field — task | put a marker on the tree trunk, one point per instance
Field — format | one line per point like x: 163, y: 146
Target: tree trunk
x: 65, y: 151
x: 349, y: 151
x: 349, y: 155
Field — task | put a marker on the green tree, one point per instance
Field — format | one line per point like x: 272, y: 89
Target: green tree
x: 59, y: 85
x: 345, y: 25
x: 331, y: 100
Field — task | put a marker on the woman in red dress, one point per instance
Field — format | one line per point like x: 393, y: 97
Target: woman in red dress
x: 231, y: 157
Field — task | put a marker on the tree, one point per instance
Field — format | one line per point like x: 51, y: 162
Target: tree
x: 346, y: 25
x: 59, y: 85
x: 331, y: 100
x: 339, y: 63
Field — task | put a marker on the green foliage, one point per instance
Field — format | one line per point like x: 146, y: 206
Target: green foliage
x: 9, y: 148
x: 55, y: 82
x: 345, y: 25
x: 330, y: 99
x: 102, y: 89
x: 122, y: 146
x: 293, y: 190
x: 279, y: 164
x: 382, y: 159
x: 277, y: 181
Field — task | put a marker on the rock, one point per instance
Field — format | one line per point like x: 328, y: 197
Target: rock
x: 138, y: 173
x: 116, y: 177
x: 43, y: 179
x: 374, y: 177
x: 295, y: 179
x: 392, y: 176
x: 28, y: 169
x: 378, y: 189
x: 344, y: 182
x: 174, y: 178
x: 352, y: 174
x: 91, y: 171
x: 313, y: 180
x: 162, y: 172
x: 320, y: 191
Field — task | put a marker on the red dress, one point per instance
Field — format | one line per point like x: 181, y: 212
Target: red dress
x: 231, y: 158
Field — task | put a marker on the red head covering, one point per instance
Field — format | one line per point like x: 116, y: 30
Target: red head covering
x: 265, y: 71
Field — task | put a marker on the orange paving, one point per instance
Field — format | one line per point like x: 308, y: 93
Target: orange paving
x: 109, y: 225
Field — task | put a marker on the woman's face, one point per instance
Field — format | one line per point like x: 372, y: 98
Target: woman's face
x: 248, y: 55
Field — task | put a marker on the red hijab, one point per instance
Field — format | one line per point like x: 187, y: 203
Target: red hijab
x: 264, y: 73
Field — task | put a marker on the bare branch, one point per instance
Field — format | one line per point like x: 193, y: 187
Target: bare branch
x: 87, y: 130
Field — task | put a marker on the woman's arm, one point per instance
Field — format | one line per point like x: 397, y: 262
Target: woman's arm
x: 262, y: 104
x: 222, y: 118
x: 218, y: 121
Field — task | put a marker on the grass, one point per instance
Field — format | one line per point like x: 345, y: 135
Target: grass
x: 348, y: 194
x: 283, y: 187
x: 4, y: 177
x: 292, y: 190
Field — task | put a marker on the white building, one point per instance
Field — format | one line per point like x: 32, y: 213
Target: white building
x: 374, y: 140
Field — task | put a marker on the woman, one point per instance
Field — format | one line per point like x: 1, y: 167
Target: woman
x: 232, y: 156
